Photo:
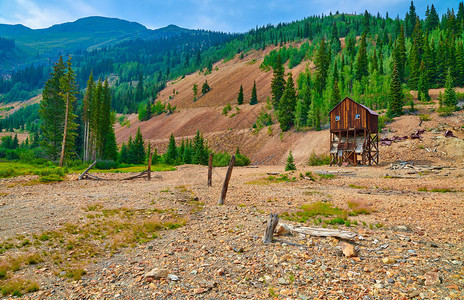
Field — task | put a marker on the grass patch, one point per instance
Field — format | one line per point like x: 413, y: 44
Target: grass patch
x: 359, y: 207
x: 326, y: 176
x: 272, y: 179
x: 18, y: 286
x: 316, y: 209
x: 437, y: 190
x: 425, y: 117
x: 353, y: 186
x: 75, y: 273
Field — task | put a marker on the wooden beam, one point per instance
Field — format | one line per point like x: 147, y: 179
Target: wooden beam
x: 210, y: 170
x: 226, y: 181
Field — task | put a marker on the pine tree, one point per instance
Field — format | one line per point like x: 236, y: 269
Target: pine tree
x: 68, y: 93
x: 52, y: 112
x: 335, y: 97
x: 322, y: 62
x: 432, y: 20
x: 395, y: 104
x: 399, y: 55
x: 362, y: 64
x: 137, y: 148
x: 170, y: 157
x: 254, y: 95
x: 410, y: 20
x: 300, y: 113
x: 450, y: 99
x: 278, y: 82
x: 240, y: 96
x: 290, y: 166
x: 287, y: 105
x: 124, y: 154
x: 205, y: 88
x: 423, y: 85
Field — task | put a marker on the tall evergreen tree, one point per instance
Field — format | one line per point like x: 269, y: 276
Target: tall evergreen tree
x: 423, y: 85
x: 52, y: 112
x: 399, y: 54
x: 240, y: 96
x: 205, y: 88
x: 395, y: 104
x: 287, y: 105
x: 335, y: 97
x: 362, y: 65
x: 254, y: 95
x: 278, y: 82
x: 322, y: 63
x: 432, y: 20
x: 137, y: 148
x: 170, y: 157
x: 450, y: 99
x: 139, y: 93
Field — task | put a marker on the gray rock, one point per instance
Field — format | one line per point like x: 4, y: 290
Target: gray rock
x: 156, y: 273
x: 173, y: 277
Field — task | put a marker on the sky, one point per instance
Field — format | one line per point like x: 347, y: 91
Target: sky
x: 216, y: 15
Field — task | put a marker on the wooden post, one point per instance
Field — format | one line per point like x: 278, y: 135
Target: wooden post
x: 149, y: 166
x: 226, y: 181
x: 210, y: 170
x: 271, y: 225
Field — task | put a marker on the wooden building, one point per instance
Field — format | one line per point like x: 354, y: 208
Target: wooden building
x: 354, y: 134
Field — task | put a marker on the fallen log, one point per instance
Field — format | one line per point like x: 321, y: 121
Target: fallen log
x: 321, y: 232
x: 83, y: 175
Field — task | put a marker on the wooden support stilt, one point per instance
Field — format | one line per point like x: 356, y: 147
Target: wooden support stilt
x: 226, y: 181
x: 271, y: 225
x: 149, y: 166
x: 210, y: 170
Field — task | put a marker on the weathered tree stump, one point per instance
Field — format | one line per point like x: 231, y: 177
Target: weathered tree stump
x: 270, y: 227
x: 226, y: 181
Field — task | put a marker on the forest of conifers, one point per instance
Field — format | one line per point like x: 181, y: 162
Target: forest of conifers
x: 354, y: 55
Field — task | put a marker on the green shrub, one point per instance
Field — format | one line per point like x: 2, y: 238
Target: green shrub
x: 10, y: 172
x: 106, y: 164
x: 318, y: 160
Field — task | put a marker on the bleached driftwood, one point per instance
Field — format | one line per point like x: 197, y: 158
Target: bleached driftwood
x: 324, y: 232
x: 83, y: 175
x: 271, y: 225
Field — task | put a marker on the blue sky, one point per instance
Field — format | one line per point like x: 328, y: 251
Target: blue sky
x: 218, y: 15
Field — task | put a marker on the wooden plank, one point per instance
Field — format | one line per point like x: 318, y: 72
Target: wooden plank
x: 323, y: 232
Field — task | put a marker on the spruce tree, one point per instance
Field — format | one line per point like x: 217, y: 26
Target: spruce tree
x: 322, y: 63
x: 139, y: 93
x: 170, y: 157
x: 52, y: 112
x: 137, y: 148
x: 432, y: 20
x: 205, y: 88
x: 399, y: 54
x: 395, y: 104
x: 450, y: 99
x: 362, y: 64
x: 254, y: 95
x: 278, y: 82
x: 240, y: 96
x: 423, y: 85
x: 124, y: 154
x: 335, y: 97
x: 290, y: 166
x: 88, y: 99
x: 287, y: 105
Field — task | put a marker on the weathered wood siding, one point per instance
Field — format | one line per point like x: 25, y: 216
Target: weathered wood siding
x: 347, y: 110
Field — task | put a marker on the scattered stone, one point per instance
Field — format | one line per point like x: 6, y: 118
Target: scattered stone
x: 432, y: 278
x: 173, y: 277
x: 282, y: 281
x: 412, y: 252
x: 220, y: 272
x: 349, y: 250
x: 155, y: 274
x: 388, y: 260
x: 281, y: 229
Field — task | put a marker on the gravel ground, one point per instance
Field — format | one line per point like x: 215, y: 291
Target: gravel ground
x: 410, y: 246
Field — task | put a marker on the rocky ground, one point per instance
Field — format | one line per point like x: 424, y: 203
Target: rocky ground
x: 409, y: 246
